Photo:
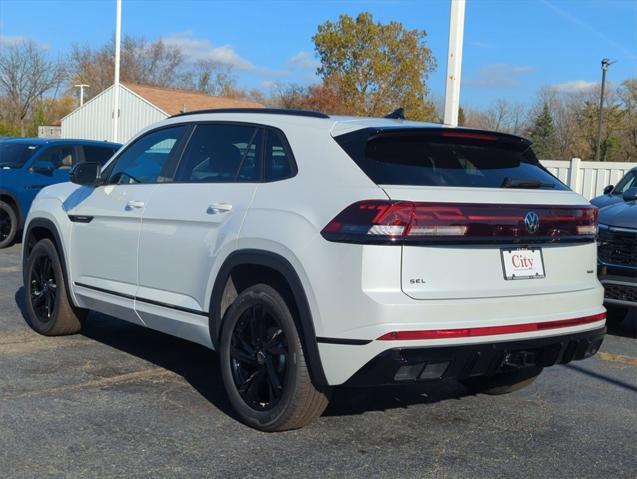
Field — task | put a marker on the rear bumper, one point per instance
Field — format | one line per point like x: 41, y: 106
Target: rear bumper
x: 411, y: 364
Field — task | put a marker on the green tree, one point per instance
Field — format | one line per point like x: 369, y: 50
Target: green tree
x: 374, y: 67
x: 543, y: 134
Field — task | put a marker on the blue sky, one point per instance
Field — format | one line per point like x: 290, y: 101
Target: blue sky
x: 511, y: 49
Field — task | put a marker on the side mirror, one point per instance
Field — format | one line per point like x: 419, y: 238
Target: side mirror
x: 44, y: 167
x: 85, y: 174
x: 630, y: 194
x: 608, y: 189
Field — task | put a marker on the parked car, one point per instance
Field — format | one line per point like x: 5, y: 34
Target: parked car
x: 617, y: 255
x: 315, y: 251
x: 614, y: 194
x: 29, y: 164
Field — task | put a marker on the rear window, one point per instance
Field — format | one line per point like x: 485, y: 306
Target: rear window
x: 438, y: 158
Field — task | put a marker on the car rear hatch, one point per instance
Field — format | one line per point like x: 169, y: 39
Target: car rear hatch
x: 475, y: 213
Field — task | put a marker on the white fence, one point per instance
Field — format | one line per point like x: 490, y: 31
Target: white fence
x: 588, y: 177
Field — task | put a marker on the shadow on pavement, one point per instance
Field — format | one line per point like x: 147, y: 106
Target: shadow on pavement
x: 200, y: 368
x: 601, y: 377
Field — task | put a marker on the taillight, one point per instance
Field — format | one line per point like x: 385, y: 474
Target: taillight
x: 398, y: 222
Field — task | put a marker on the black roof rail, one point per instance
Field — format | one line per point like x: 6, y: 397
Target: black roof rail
x: 267, y: 111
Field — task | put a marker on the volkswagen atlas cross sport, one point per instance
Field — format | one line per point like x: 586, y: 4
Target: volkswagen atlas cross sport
x: 314, y: 251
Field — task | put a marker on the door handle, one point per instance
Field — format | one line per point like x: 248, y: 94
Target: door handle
x: 131, y: 205
x: 216, y: 208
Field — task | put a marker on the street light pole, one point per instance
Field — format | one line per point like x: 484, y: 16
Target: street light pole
x: 118, y: 36
x: 454, y: 62
x: 81, y: 87
x: 605, y: 64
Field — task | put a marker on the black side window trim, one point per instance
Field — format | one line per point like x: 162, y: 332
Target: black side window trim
x: 169, y: 168
x: 265, y: 129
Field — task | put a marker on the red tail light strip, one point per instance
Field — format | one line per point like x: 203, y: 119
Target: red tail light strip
x: 405, y: 221
x: 489, y: 330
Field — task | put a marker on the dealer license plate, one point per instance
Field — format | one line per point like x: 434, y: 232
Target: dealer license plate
x: 522, y: 263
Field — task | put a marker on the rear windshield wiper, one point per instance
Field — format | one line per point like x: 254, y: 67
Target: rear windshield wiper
x: 521, y: 183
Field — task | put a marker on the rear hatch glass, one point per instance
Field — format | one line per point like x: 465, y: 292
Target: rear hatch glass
x: 447, y: 157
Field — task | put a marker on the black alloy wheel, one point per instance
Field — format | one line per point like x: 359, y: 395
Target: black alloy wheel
x: 259, y: 358
x: 43, y: 288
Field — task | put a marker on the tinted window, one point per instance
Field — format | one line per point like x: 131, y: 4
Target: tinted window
x: 431, y: 159
x: 62, y: 157
x: 14, y: 155
x: 144, y: 160
x: 222, y: 153
x: 628, y: 181
x: 101, y: 154
x: 278, y: 163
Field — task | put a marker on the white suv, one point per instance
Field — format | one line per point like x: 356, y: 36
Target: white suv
x: 315, y: 251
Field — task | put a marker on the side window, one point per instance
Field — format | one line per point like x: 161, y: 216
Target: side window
x: 144, y: 160
x: 625, y: 183
x: 278, y: 163
x: 219, y: 153
x: 62, y: 157
x: 101, y: 154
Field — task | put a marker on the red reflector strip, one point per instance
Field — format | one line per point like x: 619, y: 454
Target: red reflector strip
x: 468, y: 135
x: 489, y: 330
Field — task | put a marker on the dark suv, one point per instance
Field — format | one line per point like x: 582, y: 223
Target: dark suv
x: 29, y: 164
x: 617, y: 255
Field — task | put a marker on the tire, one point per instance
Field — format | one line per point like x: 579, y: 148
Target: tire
x: 615, y: 314
x: 49, y: 310
x: 8, y: 224
x: 503, y: 383
x: 263, y: 365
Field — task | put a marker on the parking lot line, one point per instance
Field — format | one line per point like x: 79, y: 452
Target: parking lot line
x: 617, y: 358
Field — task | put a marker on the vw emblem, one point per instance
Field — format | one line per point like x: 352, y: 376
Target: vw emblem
x: 532, y: 222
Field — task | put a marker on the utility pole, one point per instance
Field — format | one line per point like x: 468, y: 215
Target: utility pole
x: 454, y: 62
x: 605, y: 64
x: 118, y: 41
x: 81, y: 87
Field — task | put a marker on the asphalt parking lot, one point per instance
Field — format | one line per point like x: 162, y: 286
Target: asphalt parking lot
x: 123, y: 401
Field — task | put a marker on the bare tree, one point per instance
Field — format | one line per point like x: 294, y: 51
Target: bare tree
x: 26, y: 76
x: 502, y: 115
x: 211, y: 77
x: 149, y: 63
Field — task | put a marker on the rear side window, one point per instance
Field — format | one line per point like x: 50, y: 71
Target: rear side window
x: 100, y: 154
x: 219, y: 153
x: 278, y: 161
x: 447, y: 158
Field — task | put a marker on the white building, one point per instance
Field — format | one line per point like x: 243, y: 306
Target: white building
x: 139, y: 106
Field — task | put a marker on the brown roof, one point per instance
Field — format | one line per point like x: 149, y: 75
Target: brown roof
x: 174, y: 101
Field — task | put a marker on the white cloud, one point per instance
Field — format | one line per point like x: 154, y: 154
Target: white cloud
x: 574, y: 86
x: 304, y: 61
x: 498, y: 75
x: 8, y: 40
x: 195, y: 49
x: 480, y: 44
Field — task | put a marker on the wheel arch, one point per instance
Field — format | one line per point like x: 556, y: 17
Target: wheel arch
x: 43, y: 228
x: 276, y: 267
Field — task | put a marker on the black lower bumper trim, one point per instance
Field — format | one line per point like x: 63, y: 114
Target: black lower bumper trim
x: 403, y: 365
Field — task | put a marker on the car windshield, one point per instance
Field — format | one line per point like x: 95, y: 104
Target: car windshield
x: 14, y: 155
